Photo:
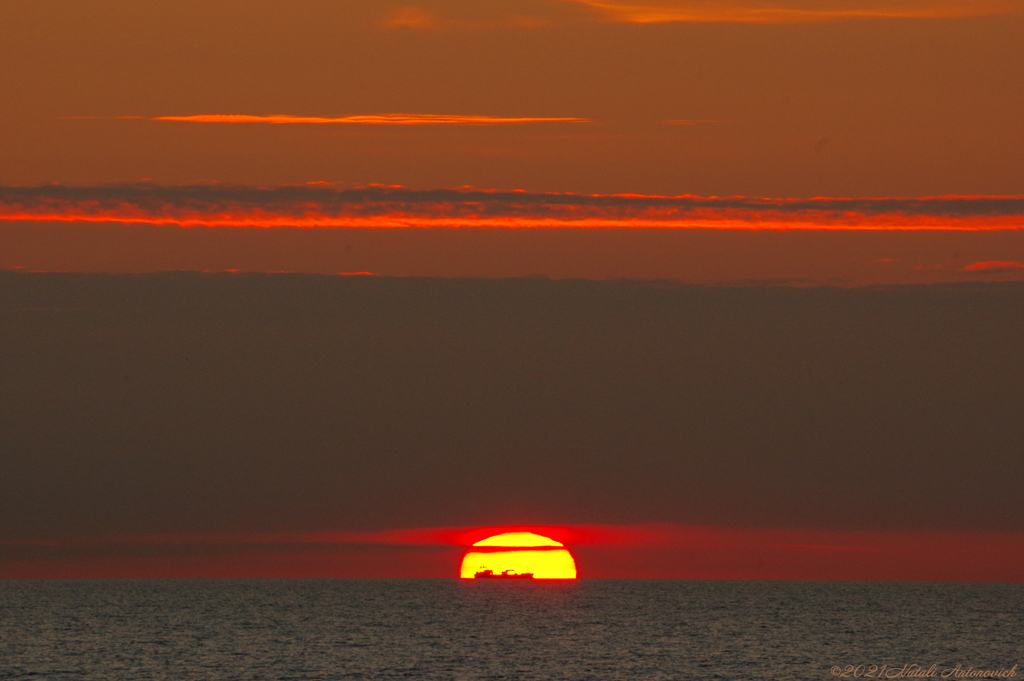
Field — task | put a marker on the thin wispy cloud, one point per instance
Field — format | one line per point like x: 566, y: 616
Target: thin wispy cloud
x: 791, y: 11
x: 626, y: 535
x: 435, y: 15
x: 322, y: 205
x: 373, y: 119
x: 410, y: 17
x: 688, y: 121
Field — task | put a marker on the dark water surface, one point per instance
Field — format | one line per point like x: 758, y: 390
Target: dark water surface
x: 447, y: 629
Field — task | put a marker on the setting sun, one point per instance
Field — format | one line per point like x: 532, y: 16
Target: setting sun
x: 518, y: 554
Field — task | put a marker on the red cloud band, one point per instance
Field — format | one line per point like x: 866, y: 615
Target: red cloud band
x: 321, y: 205
x: 643, y: 534
x: 618, y: 551
x: 995, y: 266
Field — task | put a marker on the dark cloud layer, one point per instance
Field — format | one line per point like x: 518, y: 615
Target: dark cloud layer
x: 187, y: 403
x: 314, y: 204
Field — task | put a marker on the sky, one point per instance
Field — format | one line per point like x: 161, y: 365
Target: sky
x: 720, y: 289
x: 893, y: 98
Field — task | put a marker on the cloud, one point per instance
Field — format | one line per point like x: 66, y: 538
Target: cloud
x: 651, y: 551
x: 320, y: 205
x: 583, y: 535
x: 687, y: 121
x: 374, y: 119
x: 790, y: 11
x: 409, y: 17
x: 590, y: 535
x: 462, y: 15
x: 995, y: 267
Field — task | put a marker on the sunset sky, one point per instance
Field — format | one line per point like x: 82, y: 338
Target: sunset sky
x: 699, y: 288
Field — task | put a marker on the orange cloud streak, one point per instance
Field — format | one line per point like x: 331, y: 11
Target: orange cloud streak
x: 326, y: 206
x: 403, y: 221
x: 688, y: 122
x: 791, y: 11
x: 375, y: 119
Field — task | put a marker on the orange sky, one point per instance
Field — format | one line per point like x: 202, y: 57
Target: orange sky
x: 775, y: 100
x: 802, y: 142
x: 921, y: 99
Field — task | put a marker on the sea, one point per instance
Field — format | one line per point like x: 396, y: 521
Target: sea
x: 187, y: 630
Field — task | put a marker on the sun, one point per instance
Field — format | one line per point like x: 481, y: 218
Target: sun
x: 513, y: 554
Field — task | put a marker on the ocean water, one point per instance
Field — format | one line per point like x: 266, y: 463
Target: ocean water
x: 450, y: 629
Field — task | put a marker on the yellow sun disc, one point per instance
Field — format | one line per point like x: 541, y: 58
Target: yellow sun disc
x: 527, y: 554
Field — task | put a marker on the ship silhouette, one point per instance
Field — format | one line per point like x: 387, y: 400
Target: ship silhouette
x: 507, y: 574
